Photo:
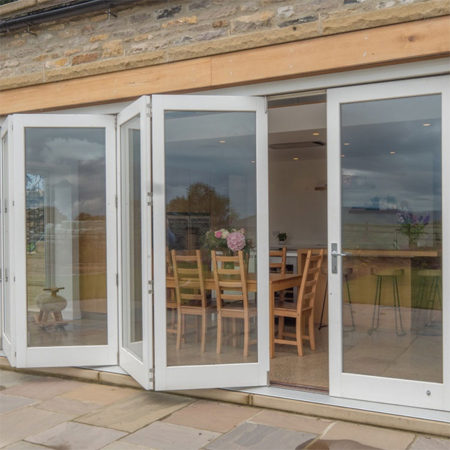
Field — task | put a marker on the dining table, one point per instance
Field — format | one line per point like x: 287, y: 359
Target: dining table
x: 277, y: 282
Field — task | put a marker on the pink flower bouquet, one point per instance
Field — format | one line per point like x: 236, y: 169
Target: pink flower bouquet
x: 228, y: 241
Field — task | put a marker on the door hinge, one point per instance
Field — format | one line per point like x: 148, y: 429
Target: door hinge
x: 148, y: 110
x: 150, y: 286
x: 149, y: 198
x: 150, y: 375
x: 117, y: 279
x: 117, y: 201
x: 6, y: 206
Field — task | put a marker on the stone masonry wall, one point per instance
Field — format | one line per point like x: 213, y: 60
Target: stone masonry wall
x: 155, y: 32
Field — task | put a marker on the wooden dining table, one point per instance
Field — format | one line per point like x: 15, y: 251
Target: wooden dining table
x: 277, y: 282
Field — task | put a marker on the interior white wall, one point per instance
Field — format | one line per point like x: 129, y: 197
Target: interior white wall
x: 295, y: 207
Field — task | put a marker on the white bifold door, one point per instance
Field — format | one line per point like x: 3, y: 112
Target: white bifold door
x: 59, y: 240
x: 388, y: 229
x: 109, y: 225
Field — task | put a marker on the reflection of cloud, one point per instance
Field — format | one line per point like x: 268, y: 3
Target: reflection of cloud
x: 72, y: 164
x: 401, y: 160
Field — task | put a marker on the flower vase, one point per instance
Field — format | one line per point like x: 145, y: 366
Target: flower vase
x: 412, y: 243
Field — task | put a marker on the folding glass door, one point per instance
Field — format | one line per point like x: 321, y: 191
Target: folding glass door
x: 389, y: 219
x: 63, y: 274
x: 135, y: 231
x: 209, y: 203
x: 5, y: 255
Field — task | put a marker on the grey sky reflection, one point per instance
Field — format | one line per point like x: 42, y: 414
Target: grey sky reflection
x: 391, y: 155
x: 71, y: 159
x: 215, y: 148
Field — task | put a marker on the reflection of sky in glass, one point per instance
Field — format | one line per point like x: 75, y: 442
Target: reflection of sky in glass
x: 69, y: 158
x: 214, y: 148
x: 392, y: 161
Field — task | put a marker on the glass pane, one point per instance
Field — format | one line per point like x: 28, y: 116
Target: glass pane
x: 66, y: 236
x: 131, y: 237
x: 210, y: 194
x: 5, y: 240
x: 392, y: 224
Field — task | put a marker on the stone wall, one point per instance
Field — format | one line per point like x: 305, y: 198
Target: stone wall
x: 152, y: 32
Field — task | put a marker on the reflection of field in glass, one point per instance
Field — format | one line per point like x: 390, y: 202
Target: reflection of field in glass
x: 85, y: 313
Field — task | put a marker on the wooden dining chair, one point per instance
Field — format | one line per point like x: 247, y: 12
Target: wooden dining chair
x: 171, y: 301
x: 232, y: 296
x: 278, y: 266
x: 190, y: 293
x: 303, y: 310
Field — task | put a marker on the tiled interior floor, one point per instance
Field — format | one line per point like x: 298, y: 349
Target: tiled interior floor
x: 38, y: 412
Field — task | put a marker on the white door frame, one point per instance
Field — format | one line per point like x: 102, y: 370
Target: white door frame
x: 7, y: 309
x: 141, y: 369
x: 220, y: 375
x: 88, y: 355
x: 365, y: 387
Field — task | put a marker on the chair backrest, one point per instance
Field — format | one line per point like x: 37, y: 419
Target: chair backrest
x: 230, y: 278
x: 310, y: 277
x: 279, y: 265
x: 189, y: 280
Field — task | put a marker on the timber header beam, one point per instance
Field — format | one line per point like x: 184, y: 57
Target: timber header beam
x: 399, y: 43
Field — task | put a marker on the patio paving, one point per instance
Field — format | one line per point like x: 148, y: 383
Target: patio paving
x: 39, y: 412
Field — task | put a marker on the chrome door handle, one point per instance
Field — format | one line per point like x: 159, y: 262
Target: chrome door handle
x: 334, y: 254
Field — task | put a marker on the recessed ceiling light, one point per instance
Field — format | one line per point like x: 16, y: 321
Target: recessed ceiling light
x: 392, y: 153
x: 316, y: 133
x: 222, y: 141
x: 346, y: 143
x: 426, y: 124
x: 253, y: 162
x: 295, y: 158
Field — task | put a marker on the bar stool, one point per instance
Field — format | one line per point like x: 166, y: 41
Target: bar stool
x: 387, y: 275
x: 430, y: 290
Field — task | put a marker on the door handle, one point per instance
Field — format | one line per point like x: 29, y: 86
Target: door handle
x: 336, y: 253
x: 334, y: 256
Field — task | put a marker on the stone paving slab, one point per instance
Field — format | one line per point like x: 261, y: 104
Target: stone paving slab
x: 100, y: 394
x: 167, y: 436
x: 76, y: 436
x: 122, y: 445
x: 9, y: 402
x: 22, y: 445
x: 294, y: 422
x: 63, y: 405
x: 79, y: 415
x: 430, y: 443
x: 213, y: 416
x: 43, y: 388
x: 10, y: 378
x: 136, y: 412
x: 379, y: 438
x: 23, y: 422
x: 260, y: 437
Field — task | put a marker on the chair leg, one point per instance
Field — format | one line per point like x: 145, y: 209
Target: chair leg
x: 246, y: 334
x: 312, y: 337
x: 179, y: 329
x: 298, y: 335
x: 203, y: 331
x: 280, y: 327
x: 219, y: 333
x: 234, y: 332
